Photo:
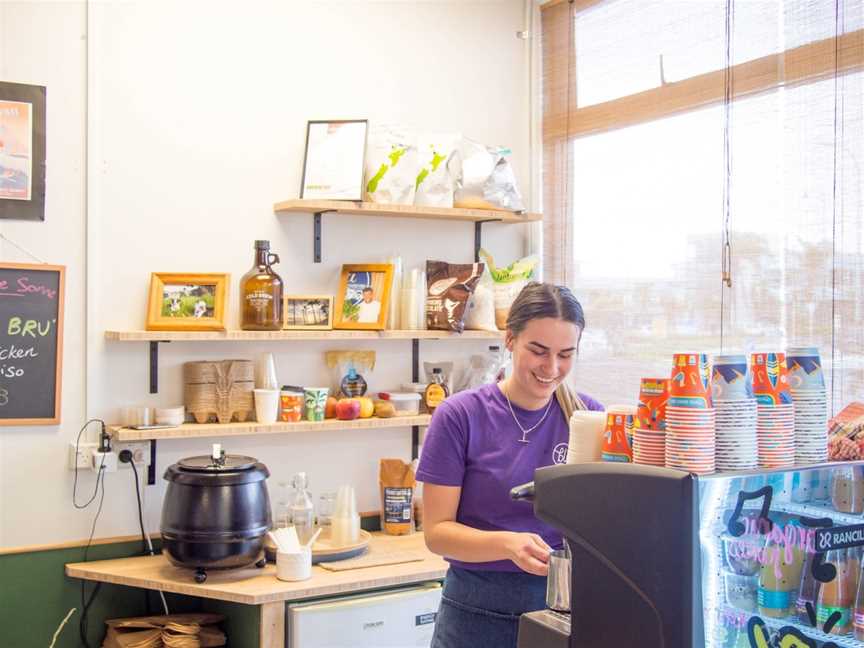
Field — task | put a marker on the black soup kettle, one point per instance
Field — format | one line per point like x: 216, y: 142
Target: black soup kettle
x: 216, y: 513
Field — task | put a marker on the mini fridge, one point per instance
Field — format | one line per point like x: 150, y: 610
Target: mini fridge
x: 666, y: 559
x: 402, y: 618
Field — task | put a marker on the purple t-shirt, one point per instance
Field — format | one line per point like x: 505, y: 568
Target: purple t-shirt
x: 473, y: 442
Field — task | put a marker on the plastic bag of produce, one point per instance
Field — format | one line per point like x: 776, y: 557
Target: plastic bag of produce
x: 508, y: 283
x: 485, y: 178
x: 435, y: 182
x: 391, y: 166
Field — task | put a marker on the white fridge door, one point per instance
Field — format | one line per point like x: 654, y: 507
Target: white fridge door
x: 401, y: 618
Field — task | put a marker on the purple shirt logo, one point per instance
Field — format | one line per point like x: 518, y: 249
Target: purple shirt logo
x: 559, y: 454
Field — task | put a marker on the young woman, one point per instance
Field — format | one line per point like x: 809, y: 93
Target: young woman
x: 480, y: 444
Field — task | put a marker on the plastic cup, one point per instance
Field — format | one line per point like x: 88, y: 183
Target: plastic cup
x: 266, y: 405
x: 316, y: 402
x: 294, y: 566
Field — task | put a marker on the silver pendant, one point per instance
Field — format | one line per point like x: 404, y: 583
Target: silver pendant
x: 524, y: 438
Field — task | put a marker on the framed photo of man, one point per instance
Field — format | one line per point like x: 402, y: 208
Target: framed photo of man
x: 22, y: 151
x: 364, y: 296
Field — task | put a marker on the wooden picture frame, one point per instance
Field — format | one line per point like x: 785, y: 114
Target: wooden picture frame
x: 333, y: 159
x: 187, y: 302
x: 356, y: 283
x: 32, y: 305
x: 307, y: 312
x: 23, y: 145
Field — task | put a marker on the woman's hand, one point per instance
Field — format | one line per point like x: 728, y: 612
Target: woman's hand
x: 529, y: 551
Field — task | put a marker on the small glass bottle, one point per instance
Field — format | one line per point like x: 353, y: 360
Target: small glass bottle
x: 261, y: 293
x: 302, y: 510
x: 436, y: 391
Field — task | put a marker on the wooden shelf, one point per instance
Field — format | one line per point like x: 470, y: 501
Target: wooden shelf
x: 401, y: 211
x: 205, y: 430
x: 233, y: 336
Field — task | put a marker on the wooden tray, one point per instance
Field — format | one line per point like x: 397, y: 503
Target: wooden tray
x: 322, y: 551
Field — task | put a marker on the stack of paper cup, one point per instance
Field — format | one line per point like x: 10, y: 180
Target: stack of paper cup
x: 586, y: 436
x: 736, y: 413
x: 807, y: 386
x: 649, y: 424
x: 775, y: 420
x: 690, y: 417
x: 616, y: 445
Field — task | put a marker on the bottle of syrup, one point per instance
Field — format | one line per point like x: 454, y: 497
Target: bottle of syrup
x: 436, y: 391
x: 261, y: 293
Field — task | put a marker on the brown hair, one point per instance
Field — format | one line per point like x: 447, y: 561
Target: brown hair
x: 538, y: 300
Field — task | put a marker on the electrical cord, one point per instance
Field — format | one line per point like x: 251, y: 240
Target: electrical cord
x: 87, y: 602
x: 75, y: 481
x: 147, y: 546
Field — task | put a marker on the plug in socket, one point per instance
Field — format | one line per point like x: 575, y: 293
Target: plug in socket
x: 140, y: 452
x: 104, y: 460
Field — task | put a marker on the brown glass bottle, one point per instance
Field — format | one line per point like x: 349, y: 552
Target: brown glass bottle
x: 261, y: 293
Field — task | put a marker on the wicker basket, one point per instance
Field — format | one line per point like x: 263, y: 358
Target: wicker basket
x: 221, y: 389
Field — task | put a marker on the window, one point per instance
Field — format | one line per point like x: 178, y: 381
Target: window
x: 634, y: 174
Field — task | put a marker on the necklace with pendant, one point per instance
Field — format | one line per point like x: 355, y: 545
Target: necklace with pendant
x: 526, y: 431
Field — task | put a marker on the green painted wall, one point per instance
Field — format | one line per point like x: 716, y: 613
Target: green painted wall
x: 36, y: 594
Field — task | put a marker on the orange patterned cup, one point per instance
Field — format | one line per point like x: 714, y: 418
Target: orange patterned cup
x: 690, y: 385
x: 616, y: 446
x: 653, y: 398
x: 770, y: 378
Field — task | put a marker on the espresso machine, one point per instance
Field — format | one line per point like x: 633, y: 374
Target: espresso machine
x: 634, y: 575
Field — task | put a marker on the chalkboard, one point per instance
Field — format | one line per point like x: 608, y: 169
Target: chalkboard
x: 31, y: 343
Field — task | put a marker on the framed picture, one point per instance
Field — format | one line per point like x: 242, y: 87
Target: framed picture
x: 22, y: 151
x: 363, y: 297
x: 333, y: 163
x: 308, y: 312
x: 187, y: 302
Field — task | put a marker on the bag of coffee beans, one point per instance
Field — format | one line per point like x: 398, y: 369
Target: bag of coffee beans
x: 449, y: 286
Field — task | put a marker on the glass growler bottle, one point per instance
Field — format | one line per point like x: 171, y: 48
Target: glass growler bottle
x: 261, y: 293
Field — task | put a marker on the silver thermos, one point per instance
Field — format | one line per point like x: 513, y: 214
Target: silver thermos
x: 558, y: 582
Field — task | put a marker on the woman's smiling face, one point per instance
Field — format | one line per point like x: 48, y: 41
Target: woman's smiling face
x: 543, y: 354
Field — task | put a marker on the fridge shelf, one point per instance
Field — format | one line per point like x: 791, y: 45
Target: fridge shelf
x: 848, y: 641
x: 820, y: 509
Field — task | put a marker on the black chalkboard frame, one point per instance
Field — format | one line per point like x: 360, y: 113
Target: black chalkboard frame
x: 58, y: 361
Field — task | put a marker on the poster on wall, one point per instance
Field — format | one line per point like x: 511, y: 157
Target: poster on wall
x: 333, y: 164
x: 22, y: 151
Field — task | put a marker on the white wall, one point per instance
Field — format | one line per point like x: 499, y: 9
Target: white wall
x: 197, y: 122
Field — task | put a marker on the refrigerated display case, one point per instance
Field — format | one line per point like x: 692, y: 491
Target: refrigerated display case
x: 757, y: 559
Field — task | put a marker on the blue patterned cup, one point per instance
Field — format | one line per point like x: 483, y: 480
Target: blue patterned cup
x: 805, y: 369
x: 730, y: 379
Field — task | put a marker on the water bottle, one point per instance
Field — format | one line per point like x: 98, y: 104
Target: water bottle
x: 302, y: 510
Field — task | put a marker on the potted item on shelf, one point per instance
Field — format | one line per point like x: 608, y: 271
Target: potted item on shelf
x: 261, y: 292
x: 187, y: 302
x: 223, y: 389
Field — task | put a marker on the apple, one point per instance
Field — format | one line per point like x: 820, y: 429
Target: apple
x: 347, y: 409
x: 330, y: 407
x: 367, y: 407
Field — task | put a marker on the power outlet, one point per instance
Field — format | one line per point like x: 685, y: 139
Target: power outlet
x: 140, y: 452
x: 81, y: 460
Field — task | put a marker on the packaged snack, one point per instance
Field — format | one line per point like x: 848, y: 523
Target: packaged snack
x: 485, y: 178
x: 449, y: 287
x: 508, y: 282
x: 391, y: 166
x: 350, y: 367
x: 397, y: 483
x: 435, y: 182
x: 480, y: 312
